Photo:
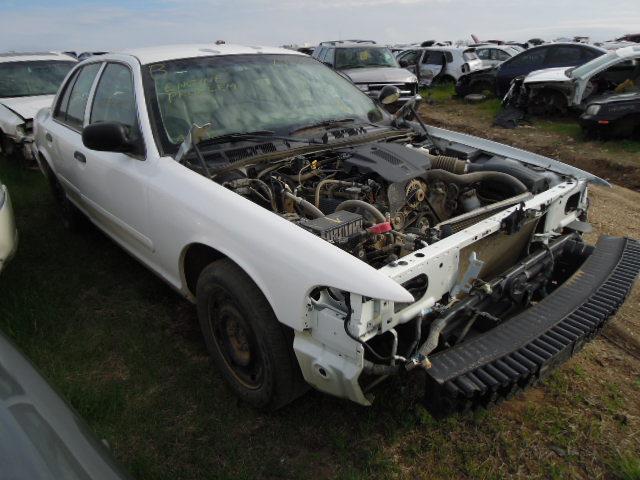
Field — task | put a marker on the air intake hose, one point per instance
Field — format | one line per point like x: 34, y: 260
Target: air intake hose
x: 511, y: 183
x: 450, y: 164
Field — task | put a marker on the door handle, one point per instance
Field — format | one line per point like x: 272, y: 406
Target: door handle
x: 48, y: 137
x: 80, y: 157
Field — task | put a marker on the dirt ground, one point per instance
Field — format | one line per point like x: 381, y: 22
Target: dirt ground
x: 614, y: 211
x: 601, y: 158
x: 614, y: 357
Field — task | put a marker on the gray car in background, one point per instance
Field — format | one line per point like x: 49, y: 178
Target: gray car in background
x: 368, y: 65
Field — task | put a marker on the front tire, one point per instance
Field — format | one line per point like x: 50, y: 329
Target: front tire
x: 252, y: 350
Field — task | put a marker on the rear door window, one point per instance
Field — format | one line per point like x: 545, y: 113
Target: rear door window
x: 330, y: 56
x: 589, y: 54
x: 73, y: 108
x: 565, y: 55
x: 411, y: 57
x: 433, y: 58
x: 499, y: 55
x: 534, y: 59
x: 483, y: 53
x: 63, y: 104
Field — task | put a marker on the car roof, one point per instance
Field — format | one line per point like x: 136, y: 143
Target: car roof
x: 341, y: 43
x: 175, y: 52
x: 34, y: 56
x: 574, y: 44
x: 448, y: 48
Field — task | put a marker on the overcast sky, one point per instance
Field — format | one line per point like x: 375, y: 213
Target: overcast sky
x: 117, y: 24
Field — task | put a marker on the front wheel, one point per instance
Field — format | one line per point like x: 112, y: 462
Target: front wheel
x: 253, y: 351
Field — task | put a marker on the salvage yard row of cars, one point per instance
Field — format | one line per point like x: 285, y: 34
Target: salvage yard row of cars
x: 326, y: 235
x: 400, y: 247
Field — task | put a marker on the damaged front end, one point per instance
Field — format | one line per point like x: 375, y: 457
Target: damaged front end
x: 486, y: 238
x: 18, y: 135
x: 502, y: 295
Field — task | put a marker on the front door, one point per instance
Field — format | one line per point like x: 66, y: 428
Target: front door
x: 114, y: 185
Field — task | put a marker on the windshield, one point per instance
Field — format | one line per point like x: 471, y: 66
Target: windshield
x: 592, y: 65
x: 244, y: 93
x: 26, y: 79
x: 362, y: 57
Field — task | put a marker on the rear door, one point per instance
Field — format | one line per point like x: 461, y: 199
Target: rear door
x: 64, y: 133
x: 410, y: 59
x: 520, y: 65
x: 114, y: 185
x: 484, y: 54
x: 432, y: 64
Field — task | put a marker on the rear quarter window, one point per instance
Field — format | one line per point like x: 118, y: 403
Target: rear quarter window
x: 534, y: 58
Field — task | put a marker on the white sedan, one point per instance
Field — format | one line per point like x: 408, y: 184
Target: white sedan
x: 325, y: 241
x: 28, y: 82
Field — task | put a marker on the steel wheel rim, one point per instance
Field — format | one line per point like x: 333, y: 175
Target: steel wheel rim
x: 235, y: 341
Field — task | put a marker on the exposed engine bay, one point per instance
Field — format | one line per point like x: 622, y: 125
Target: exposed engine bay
x: 483, y: 237
x: 382, y: 201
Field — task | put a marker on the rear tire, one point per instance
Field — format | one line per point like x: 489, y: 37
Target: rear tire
x: 72, y: 218
x: 252, y: 350
x: 7, y: 147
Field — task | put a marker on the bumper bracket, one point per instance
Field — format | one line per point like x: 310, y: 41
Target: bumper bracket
x: 501, y: 362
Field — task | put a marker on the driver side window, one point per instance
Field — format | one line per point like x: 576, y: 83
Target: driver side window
x: 114, y: 100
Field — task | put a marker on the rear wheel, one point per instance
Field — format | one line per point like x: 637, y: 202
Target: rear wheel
x: 548, y: 102
x: 444, y: 80
x: 7, y: 147
x: 253, y: 351
x: 72, y: 218
x: 482, y: 87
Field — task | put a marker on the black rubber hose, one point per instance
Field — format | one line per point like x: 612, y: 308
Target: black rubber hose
x: 515, y: 185
x: 450, y: 164
x: 308, y: 207
x: 355, y: 204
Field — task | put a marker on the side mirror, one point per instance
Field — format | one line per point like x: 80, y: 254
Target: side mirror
x: 404, y: 63
x: 389, y: 94
x: 109, y: 137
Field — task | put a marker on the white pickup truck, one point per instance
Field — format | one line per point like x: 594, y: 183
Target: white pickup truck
x: 325, y: 241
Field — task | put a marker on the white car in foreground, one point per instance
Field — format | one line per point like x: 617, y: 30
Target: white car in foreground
x: 325, y: 241
x: 28, y: 82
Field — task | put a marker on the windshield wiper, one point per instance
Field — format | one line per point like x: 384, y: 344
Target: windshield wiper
x: 323, y: 123
x: 255, y: 136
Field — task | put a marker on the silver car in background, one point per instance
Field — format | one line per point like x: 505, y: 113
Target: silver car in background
x: 440, y: 64
x: 494, y: 55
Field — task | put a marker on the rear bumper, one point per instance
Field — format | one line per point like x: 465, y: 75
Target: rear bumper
x: 511, y: 356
